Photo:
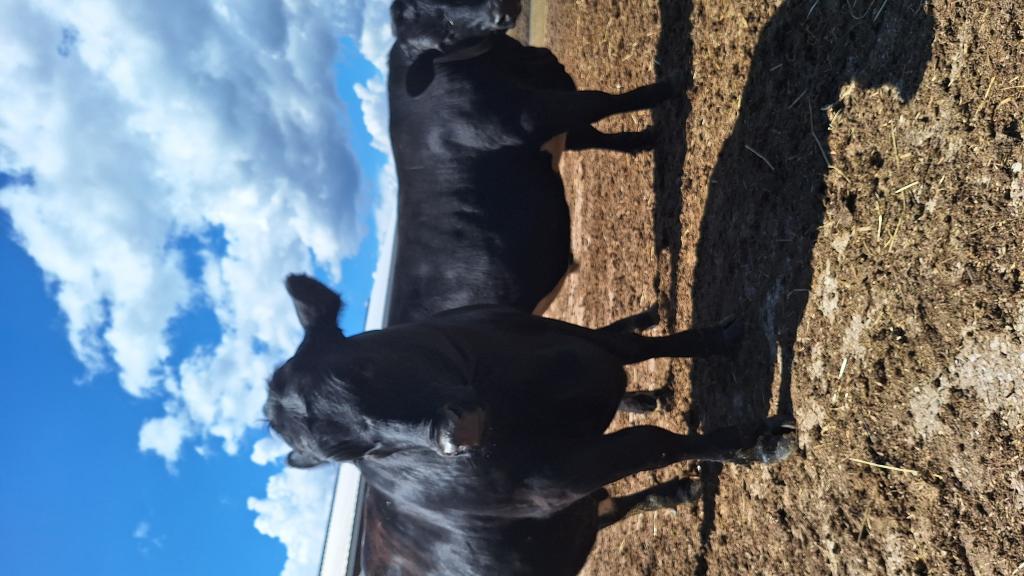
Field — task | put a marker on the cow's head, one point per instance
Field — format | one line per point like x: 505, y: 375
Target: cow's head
x: 445, y: 24
x: 428, y: 29
x: 309, y: 410
x: 339, y: 399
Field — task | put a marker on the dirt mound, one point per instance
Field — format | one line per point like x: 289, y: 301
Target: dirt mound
x: 847, y: 175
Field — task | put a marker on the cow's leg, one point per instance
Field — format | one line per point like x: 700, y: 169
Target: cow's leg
x: 641, y: 401
x: 629, y: 142
x: 667, y: 495
x: 551, y: 112
x: 635, y: 323
x: 591, y: 464
x: 632, y: 348
x: 645, y: 401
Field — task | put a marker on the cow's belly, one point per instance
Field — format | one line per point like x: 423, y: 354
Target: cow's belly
x: 555, y: 147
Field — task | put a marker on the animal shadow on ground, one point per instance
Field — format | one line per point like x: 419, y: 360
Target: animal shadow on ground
x: 674, y: 59
x: 765, y: 197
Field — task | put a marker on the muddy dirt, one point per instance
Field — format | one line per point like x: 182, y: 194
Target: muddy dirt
x: 846, y: 175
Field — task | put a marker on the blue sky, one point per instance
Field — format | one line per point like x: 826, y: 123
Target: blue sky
x: 81, y: 491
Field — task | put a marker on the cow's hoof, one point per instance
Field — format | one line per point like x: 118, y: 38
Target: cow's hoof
x: 773, y: 445
x: 666, y: 398
x: 645, y: 402
x: 675, y: 493
x: 690, y: 490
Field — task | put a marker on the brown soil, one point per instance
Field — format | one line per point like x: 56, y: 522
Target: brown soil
x: 846, y: 175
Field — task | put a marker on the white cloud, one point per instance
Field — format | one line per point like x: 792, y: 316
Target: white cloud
x: 144, y: 124
x: 295, y: 512
x: 146, y: 541
x: 164, y: 436
x: 268, y: 449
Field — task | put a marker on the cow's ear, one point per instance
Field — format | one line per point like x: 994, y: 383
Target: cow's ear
x: 298, y: 459
x: 316, y: 305
x: 421, y: 73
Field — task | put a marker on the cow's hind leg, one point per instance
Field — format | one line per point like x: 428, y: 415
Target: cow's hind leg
x: 593, y: 463
x: 630, y: 348
x: 641, y: 401
x: 628, y: 142
x: 660, y: 496
x: 635, y: 323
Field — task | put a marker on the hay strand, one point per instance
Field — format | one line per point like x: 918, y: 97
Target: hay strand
x: 884, y: 466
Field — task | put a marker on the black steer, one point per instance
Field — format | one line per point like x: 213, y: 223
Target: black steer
x: 482, y: 216
x: 396, y: 542
x: 483, y: 412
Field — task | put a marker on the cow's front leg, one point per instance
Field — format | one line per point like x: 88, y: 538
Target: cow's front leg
x: 629, y: 142
x: 660, y: 496
x: 550, y: 112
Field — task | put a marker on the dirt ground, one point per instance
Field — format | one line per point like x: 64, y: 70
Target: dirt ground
x: 846, y: 175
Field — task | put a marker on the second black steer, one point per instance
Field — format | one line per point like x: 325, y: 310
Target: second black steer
x: 397, y: 542
x: 482, y: 216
